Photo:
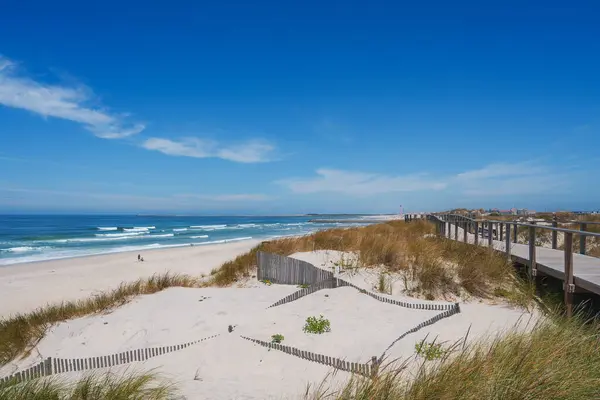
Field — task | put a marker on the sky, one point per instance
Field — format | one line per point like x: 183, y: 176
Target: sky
x: 271, y: 107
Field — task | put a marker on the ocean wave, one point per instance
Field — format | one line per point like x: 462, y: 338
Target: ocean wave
x: 180, y: 229
x: 160, y: 236
x: 123, y: 234
x: 225, y: 240
x: 108, y: 228
x: 22, y: 249
x: 208, y: 226
x: 199, y: 237
x: 247, y: 225
x: 137, y: 229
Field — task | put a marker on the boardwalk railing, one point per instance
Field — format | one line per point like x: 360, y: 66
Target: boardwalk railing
x: 289, y: 271
x: 506, y: 232
x: 51, y: 366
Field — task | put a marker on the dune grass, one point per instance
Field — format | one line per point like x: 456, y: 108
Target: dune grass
x: 557, y: 359
x: 145, y: 386
x: 20, y: 332
x: 435, y: 266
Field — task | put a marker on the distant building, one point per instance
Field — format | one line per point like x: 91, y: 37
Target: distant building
x: 522, y: 211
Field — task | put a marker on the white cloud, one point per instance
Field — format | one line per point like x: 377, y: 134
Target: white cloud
x: 228, y: 197
x: 360, y: 183
x: 65, y: 102
x: 248, y: 152
x: 492, y: 180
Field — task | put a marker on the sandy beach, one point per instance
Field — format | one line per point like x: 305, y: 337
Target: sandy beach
x: 24, y: 287
x: 226, y: 366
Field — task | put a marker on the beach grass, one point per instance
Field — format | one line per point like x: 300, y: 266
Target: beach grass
x: 18, y: 333
x: 557, y: 359
x: 437, y: 267
x: 147, y: 386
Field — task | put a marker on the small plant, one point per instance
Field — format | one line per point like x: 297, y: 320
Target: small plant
x: 384, y: 285
x: 430, y: 351
x: 267, y: 282
x: 304, y: 286
x: 317, y: 325
x: 277, y: 338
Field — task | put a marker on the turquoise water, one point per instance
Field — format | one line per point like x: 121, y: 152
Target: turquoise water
x: 27, y: 238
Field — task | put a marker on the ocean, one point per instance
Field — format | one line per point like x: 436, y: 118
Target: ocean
x: 28, y: 238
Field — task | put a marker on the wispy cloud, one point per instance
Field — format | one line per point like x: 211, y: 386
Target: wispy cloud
x: 134, y: 201
x: 492, y: 180
x: 253, y: 151
x: 360, y: 183
x: 243, y: 197
x: 61, y: 101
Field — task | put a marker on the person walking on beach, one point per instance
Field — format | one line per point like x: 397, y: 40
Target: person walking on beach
x: 139, y: 257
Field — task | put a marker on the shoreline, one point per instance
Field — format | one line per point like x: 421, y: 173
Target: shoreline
x: 27, y: 286
x: 137, y: 250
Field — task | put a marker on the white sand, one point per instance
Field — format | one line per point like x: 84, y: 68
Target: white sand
x: 228, y: 366
x: 24, y: 287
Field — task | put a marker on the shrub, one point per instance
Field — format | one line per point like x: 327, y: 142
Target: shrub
x: 317, y: 325
x: 277, y: 338
x: 430, y: 351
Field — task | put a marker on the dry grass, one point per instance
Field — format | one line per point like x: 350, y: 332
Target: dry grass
x: 558, y: 359
x: 20, y: 332
x: 436, y: 267
x: 146, y: 386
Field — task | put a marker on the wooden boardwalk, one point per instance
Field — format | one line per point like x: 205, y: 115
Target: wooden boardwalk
x: 579, y: 272
x: 586, y: 269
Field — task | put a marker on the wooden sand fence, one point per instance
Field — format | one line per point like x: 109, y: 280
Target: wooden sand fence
x: 337, y: 363
x: 51, y: 366
x: 289, y: 271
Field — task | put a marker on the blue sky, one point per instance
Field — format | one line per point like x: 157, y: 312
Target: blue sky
x: 292, y: 107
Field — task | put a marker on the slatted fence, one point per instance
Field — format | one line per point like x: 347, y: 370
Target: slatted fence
x: 357, y: 368
x: 289, y: 271
x: 51, y: 366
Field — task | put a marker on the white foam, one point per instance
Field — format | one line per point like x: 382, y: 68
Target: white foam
x: 136, y: 229
x: 208, y: 226
x: 179, y: 229
x: 144, y: 227
x: 22, y: 249
x: 225, y: 240
x: 161, y: 236
x: 247, y: 225
x: 124, y: 234
x: 109, y: 228
x: 199, y: 237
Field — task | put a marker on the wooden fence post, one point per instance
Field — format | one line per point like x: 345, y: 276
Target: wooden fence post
x: 515, y: 233
x: 554, y: 233
x: 476, y: 232
x: 568, y: 285
x: 507, y: 238
x: 465, y: 230
x: 501, y: 224
x: 456, y: 229
x: 490, y: 234
x: 532, y: 263
x: 583, y: 228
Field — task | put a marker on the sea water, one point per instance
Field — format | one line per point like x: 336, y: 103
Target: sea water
x: 28, y: 238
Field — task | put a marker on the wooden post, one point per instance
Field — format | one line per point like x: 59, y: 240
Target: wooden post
x: 568, y: 286
x: 456, y: 230
x: 465, y: 230
x: 449, y: 229
x: 508, y: 242
x: 490, y: 234
x: 532, y: 262
x: 476, y: 232
x: 554, y: 233
x: 583, y: 228
x: 515, y: 232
